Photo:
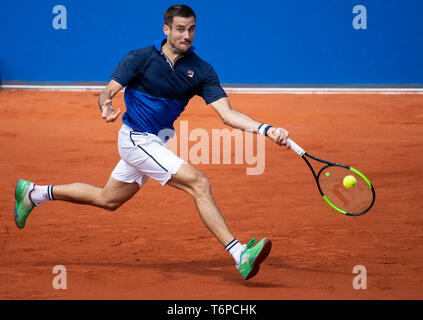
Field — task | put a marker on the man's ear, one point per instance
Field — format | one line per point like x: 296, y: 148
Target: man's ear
x: 166, y: 29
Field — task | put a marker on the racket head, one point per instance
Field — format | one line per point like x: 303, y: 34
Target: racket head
x: 352, y: 201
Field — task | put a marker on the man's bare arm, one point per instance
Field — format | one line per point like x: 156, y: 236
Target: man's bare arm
x: 109, y: 92
x: 242, y: 121
x: 105, y: 101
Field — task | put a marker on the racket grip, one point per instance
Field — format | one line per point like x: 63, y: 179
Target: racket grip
x: 298, y: 150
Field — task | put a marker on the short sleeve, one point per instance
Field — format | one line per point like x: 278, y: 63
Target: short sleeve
x: 210, y: 89
x: 128, y: 68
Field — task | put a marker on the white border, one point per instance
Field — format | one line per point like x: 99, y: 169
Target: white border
x: 230, y: 89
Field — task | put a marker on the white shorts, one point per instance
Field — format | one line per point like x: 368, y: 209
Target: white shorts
x: 144, y: 155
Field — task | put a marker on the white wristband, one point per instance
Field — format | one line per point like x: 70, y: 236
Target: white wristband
x: 109, y: 105
x: 263, y: 128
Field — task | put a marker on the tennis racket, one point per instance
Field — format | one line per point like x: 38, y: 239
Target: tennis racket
x: 353, y: 201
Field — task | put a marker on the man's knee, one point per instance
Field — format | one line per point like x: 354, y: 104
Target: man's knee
x: 192, y: 181
x: 107, y: 203
x: 201, y: 186
x: 115, y: 193
x: 111, y: 206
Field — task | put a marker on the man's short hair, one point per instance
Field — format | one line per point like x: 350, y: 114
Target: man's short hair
x: 177, y: 10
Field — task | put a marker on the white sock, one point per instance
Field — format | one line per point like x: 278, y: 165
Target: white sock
x: 235, y: 249
x: 41, y: 194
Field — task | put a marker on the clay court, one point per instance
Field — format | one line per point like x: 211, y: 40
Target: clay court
x: 156, y: 247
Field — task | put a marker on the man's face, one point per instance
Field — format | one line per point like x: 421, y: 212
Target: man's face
x: 181, y: 35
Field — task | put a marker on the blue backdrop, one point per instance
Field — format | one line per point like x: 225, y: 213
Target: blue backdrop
x: 280, y: 42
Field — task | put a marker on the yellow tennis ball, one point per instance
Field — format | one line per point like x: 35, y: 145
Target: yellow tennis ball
x: 349, y: 182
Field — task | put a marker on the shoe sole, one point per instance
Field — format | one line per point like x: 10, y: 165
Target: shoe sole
x: 16, y: 200
x: 264, y: 252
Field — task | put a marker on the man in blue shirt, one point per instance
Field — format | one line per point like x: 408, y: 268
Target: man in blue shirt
x: 159, y: 81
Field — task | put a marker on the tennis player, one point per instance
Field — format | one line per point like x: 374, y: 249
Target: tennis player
x: 160, y: 80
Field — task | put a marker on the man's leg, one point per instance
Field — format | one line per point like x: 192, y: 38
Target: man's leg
x: 110, y: 197
x: 193, y: 181
x: 247, y: 257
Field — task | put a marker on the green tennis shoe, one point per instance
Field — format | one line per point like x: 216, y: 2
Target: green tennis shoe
x: 252, y: 257
x: 23, y: 205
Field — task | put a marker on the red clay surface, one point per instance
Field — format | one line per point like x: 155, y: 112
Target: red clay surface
x: 156, y: 247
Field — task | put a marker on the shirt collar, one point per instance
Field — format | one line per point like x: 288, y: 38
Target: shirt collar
x: 158, y: 46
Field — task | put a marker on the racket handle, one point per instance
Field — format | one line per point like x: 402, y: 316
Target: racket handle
x: 298, y: 150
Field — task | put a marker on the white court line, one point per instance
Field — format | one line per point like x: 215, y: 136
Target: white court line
x: 52, y: 87
x: 230, y: 89
x: 326, y: 90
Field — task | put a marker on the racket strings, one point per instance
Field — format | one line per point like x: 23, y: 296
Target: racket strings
x: 353, y: 200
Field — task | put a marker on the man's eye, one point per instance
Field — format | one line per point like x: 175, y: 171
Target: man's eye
x: 181, y: 30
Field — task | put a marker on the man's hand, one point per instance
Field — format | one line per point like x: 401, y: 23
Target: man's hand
x: 108, y: 113
x: 279, y: 136
x: 105, y: 101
